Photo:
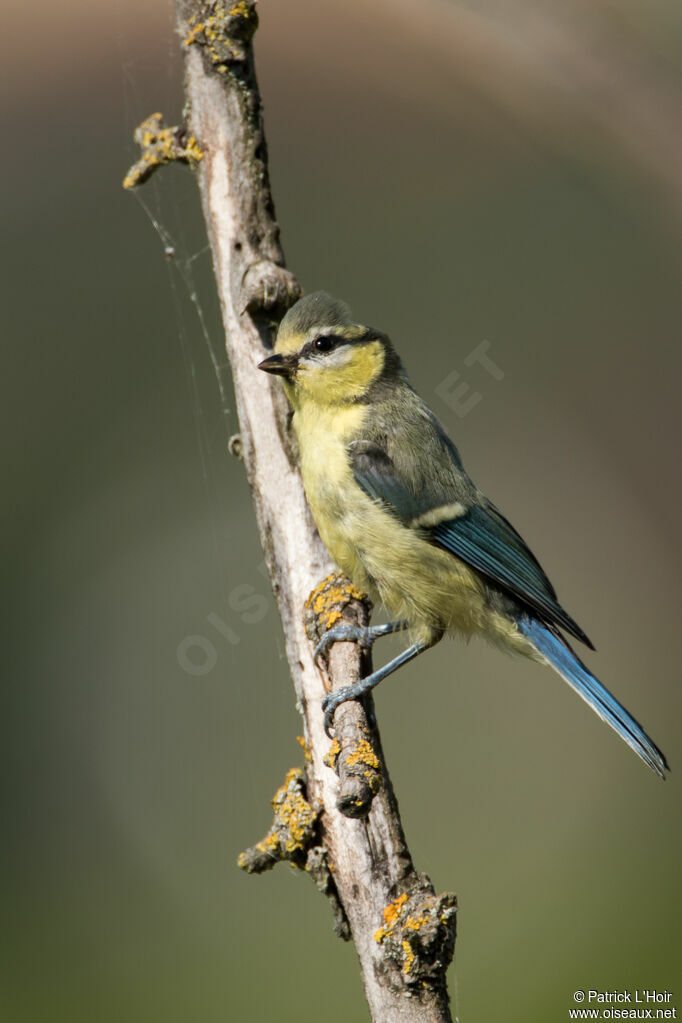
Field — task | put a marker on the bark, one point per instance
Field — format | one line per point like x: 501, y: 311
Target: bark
x: 350, y: 837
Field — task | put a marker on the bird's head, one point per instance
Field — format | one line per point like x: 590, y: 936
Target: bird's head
x: 325, y: 357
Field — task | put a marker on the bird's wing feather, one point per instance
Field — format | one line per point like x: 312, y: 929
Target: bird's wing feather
x: 458, y: 518
x: 483, y: 539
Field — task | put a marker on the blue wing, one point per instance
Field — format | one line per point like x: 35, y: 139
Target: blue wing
x: 486, y: 541
x: 479, y: 535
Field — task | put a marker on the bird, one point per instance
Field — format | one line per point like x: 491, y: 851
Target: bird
x: 402, y: 519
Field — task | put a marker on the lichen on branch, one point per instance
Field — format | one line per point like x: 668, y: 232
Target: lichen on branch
x: 223, y: 31
x: 294, y: 837
x: 161, y: 145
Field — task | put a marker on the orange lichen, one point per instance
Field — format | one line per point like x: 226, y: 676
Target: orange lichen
x: 363, y: 754
x: 330, y: 597
x: 307, y: 755
x: 418, y: 935
x: 391, y: 914
x: 394, y: 909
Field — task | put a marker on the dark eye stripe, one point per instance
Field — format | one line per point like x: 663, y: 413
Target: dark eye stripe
x: 323, y: 344
x: 326, y: 343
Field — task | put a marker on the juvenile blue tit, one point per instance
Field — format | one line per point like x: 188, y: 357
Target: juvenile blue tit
x: 404, y: 521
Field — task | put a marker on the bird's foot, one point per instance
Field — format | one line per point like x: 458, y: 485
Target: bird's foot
x: 363, y: 685
x: 341, y: 634
x: 364, y: 635
x: 339, y: 696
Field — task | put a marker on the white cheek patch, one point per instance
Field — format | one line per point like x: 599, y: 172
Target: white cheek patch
x: 328, y: 360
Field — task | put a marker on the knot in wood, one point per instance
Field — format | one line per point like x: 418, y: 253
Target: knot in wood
x: 234, y: 445
x: 417, y: 936
x: 269, y: 288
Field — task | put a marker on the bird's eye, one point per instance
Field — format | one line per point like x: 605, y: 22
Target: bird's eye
x: 324, y: 344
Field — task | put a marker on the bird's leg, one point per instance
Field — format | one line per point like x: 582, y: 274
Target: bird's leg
x: 364, y: 635
x: 358, y: 689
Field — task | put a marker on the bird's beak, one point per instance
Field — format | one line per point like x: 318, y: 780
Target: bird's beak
x: 280, y: 365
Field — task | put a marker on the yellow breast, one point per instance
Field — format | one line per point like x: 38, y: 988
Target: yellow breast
x: 415, y: 580
x: 324, y: 435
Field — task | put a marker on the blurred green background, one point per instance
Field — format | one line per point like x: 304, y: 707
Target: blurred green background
x: 458, y: 172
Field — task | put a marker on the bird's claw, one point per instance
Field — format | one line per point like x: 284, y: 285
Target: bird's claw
x: 331, y: 702
x: 341, y: 633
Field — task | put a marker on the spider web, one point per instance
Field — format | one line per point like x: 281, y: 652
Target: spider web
x: 170, y: 202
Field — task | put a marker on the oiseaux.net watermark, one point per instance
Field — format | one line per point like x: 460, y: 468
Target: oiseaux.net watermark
x: 456, y: 392
x: 631, y: 1003
x: 197, y: 654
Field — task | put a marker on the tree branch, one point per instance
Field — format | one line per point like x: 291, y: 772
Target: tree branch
x: 341, y: 825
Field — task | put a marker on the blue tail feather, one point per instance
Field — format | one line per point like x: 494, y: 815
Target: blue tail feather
x: 565, y: 662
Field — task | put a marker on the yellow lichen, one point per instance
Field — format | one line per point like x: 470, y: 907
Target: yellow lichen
x: 269, y: 843
x: 411, y: 924
x: 160, y: 145
x: 197, y: 29
x: 409, y: 956
x: 374, y: 781
x: 292, y: 833
x: 292, y: 812
x: 193, y: 151
x: 363, y: 754
x: 333, y: 754
x: 224, y: 33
